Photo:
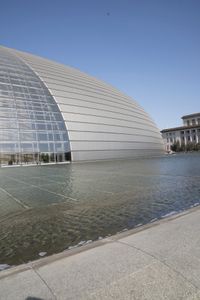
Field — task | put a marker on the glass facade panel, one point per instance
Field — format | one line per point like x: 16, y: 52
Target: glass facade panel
x: 32, y: 129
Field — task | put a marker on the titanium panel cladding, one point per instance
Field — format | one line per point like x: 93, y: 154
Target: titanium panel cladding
x: 96, y: 120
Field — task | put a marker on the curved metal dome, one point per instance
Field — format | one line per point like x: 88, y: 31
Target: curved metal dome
x: 54, y: 111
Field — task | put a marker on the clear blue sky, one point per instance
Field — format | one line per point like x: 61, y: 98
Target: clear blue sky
x: 148, y: 49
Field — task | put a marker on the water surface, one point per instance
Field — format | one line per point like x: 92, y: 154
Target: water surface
x: 51, y: 208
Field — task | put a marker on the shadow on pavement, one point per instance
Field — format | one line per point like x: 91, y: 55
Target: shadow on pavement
x: 33, y: 298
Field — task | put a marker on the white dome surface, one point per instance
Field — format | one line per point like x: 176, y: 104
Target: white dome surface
x: 101, y: 122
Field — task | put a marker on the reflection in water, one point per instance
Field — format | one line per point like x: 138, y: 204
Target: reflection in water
x: 50, y: 209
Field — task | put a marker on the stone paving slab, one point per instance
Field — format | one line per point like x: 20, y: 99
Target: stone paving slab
x: 23, y: 286
x: 158, y: 261
x: 177, y: 244
x: 94, y: 269
x: 154, y: 281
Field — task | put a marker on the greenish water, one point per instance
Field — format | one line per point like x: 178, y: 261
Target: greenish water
x: 50, y: 208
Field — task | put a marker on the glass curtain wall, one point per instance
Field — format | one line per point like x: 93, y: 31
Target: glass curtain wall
x: 32, y: 129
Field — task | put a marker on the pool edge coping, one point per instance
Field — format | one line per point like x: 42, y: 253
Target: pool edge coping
x: 36, y: 264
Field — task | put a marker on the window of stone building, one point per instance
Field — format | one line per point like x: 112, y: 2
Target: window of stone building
x: 193, y: 122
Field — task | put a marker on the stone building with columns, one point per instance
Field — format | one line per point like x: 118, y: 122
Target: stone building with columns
x: 189, y: 133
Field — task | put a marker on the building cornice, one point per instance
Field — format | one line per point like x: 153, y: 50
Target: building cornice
x: 191, y: 116
x: 180, y: 128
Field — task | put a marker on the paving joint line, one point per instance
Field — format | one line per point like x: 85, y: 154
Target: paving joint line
x: 15, y: 199
x: 46, y: 190
x: 161, y: 261
x: 44, y: 281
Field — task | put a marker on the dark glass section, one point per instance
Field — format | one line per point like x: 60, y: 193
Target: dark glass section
x: 32, y: 129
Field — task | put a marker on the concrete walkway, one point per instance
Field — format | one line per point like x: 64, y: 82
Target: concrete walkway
x: 157, y: 261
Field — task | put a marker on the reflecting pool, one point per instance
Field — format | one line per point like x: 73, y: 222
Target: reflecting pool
x: 47, y: 209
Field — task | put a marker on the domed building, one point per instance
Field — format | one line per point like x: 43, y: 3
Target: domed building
x: 53, y: 113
